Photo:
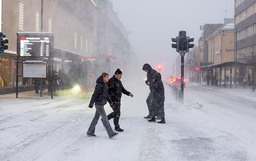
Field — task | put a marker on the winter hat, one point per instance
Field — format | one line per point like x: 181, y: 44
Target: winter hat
x: 118, y: 71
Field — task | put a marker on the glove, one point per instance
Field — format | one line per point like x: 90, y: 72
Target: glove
x: 112, y: 104
x: 90, y: 105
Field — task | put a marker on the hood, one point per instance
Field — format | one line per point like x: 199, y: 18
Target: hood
x: 146, y: 67
x: 99, y: 80
x: 157, y: 76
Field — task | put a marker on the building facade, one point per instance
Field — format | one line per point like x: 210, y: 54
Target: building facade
x: 84, y: 31
x: 245, y: 37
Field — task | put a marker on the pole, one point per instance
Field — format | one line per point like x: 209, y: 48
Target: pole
x: 17, y: 76
x: 42, y: 15
x: 51, y: 77
x: 17, y: 67
x: 235, y: 80
x: 41, y: 87
x: 182, y: 76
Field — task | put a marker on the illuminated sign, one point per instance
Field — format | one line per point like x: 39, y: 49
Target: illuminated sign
x: 35, y: 44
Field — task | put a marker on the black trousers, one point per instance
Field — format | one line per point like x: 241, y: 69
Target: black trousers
x: 150, y: 104
x: 115, y: 114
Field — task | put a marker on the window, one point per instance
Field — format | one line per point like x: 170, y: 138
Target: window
x: 50, y: 25
x: 5, y: 72
x: 91, y: 47
x: 21, y: 16
x: 250, y: 11
x: 81, y: 43
x: 75, y: 40
x: 86, y: 46
x: 37, y: 26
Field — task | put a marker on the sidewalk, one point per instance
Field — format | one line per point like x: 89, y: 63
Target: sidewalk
x: 240, y: 89
x: 28, y: 94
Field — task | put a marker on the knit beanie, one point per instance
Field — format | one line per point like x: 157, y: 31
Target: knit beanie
x: 118, y: 71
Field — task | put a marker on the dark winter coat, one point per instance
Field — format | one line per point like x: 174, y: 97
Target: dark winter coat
x: 157, y: 88
x: 150, y: 73
x: 100, y: 95
x: 116, y: 89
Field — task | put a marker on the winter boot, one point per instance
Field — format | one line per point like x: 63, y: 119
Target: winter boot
x: 113, y: 135
x: 162, y: 121
x: 119, y: 129
x: 89, y: 134
x: 153, y: 119
x: 147, y: 117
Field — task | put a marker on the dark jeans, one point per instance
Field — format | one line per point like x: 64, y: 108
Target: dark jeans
x: 100, y: 111
x: 115, y: 114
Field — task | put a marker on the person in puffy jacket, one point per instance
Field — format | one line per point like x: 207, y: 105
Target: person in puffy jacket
x: 100, y: 98
x: 157, y: 88
x: 115, y: 91
x: 150, y: 72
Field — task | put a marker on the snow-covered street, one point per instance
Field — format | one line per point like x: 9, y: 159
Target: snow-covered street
x: 214, y: 124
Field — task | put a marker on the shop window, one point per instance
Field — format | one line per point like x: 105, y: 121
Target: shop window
x: 5, y: 72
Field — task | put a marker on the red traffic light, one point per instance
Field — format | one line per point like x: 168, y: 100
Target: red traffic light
x: 159, y: 67
x: 197, y: 69
x: 91, y: 74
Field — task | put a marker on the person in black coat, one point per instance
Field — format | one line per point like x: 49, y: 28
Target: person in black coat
x: 115, y: 91
x: 157, y: 87
x: 150, y: 72
x: 100, y: 98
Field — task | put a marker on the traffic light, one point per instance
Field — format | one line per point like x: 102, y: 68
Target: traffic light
x: 197, y: 68
x: 176, y: 43
x: 159, y: 67
x: 182, y: 41
x: 188, y: 43
x: 4, y: 41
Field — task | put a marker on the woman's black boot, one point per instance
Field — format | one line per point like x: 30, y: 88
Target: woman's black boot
x: 153, y: 119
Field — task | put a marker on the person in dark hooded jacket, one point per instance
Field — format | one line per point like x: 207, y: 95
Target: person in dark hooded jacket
x: 100, y: 98
x: 157, y: 88
x: 150, y: 72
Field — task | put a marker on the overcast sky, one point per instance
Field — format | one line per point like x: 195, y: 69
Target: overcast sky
x: 153, y: 22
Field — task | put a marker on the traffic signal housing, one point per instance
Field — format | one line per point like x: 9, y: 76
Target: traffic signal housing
x: 189, y: 40
x: 176, y: 43
x: 4, y: 41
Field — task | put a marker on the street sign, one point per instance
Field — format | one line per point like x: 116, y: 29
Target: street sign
x: 35, y: 44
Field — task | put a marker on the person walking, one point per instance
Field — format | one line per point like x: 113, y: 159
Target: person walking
x: 158, y: 98
x: 115, y: 91
x: 150, y: 72
x: 100, y: 98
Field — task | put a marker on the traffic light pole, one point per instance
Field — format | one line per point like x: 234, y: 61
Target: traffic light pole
x: 182, y: 54
x: 182, y: 45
